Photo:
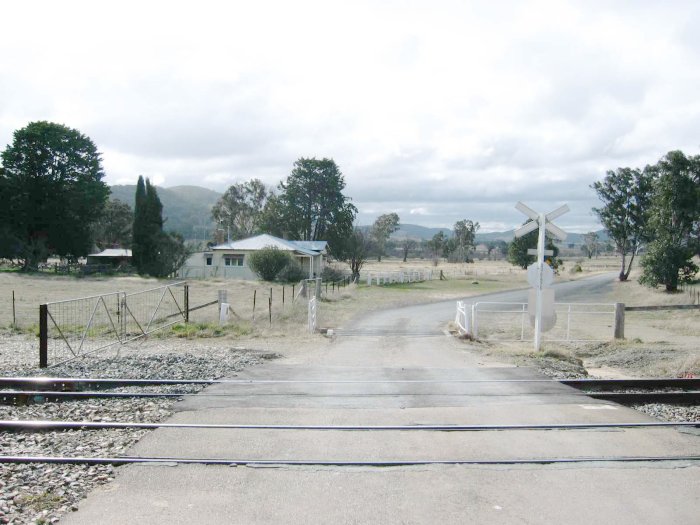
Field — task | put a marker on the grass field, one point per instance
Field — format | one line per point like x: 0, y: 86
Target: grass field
x: 287, y: 323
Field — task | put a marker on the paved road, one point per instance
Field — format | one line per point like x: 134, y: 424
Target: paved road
x: 400, y: 379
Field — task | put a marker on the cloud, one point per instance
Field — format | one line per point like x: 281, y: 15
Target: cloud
x: 442, y: 112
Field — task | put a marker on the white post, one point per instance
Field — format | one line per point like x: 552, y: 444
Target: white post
x: 540, y: 261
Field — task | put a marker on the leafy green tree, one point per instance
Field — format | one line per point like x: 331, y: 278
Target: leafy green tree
x: 355, y: 251
x: 437, y: 243
x: 590, y: 244
x: 517, y: 250
x: 673, y: 219
x: 625, y: 194
x: 500, y: 247
x: 52, y: 192
x: 310, y: 205
x: 406, y: 246
x: 465, y: 235
x: 382, y: 229
x: 114, y: 227
x: 268, y: 262
x: 240, y: 209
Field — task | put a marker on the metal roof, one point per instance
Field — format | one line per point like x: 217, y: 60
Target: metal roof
x: 317, y: 246
x: 112, y: 252
x: 263, y: 241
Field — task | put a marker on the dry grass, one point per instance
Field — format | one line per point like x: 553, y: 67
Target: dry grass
x: 646, y: 331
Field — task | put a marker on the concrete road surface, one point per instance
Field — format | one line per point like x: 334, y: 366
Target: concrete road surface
x: 380, y: 377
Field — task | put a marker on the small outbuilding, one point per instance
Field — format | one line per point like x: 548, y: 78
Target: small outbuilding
x: 230, y: 260
x: 114, y: 257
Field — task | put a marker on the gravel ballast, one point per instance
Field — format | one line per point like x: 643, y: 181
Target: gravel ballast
x: 41, y: 493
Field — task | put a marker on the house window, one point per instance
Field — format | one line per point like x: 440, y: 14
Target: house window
x: 233, y: 260
x: 209, y: 259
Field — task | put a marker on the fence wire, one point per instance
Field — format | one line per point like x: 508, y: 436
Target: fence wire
x: 78, y: 327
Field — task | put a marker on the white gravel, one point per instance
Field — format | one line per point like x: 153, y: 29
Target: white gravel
x: 41, y: 493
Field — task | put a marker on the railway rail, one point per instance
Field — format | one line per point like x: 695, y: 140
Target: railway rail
x: 340, y: 463
x: 30, y: 390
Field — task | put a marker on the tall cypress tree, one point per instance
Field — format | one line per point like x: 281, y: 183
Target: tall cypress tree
x: 154, y: 252
x: 139, y: 246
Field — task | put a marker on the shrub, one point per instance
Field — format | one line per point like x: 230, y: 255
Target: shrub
x: 268, y: 262
x: 332, y: 274
x: 291, y: 273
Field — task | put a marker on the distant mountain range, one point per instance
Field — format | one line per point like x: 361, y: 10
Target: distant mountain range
x: 187, y: 210
x: 413, y: 231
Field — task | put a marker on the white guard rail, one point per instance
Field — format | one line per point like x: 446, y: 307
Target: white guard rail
x: 583, y: 321
x: 463, y: 318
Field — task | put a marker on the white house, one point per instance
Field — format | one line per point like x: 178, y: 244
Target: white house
x: 229, y: 260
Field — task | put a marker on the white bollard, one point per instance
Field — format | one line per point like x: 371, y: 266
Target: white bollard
x: 223, y: 313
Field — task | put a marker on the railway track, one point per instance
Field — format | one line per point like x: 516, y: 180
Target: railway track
x: 33, y: 390
x: 30, y: 390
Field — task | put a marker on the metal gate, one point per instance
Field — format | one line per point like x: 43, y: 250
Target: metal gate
x: 510, y: 322
x: 78, y: 327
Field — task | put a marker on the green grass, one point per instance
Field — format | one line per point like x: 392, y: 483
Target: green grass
x: 202, y: 330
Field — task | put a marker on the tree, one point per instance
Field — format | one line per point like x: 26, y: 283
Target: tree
x: 517, y: 250
x: 52, y: 192
x: 625, y: 195
x: 673, y: 219
x: 240, y: 209
x: 114, y: 227
x: 465, y: 234
x: 406, y: 246
x: 499, y: 246
x: 154, y: 252
x: 590, y: 244
x: 355, y: 251
x: 382, y: 229
x: 437, y: 243
x: 142, y: 229
x: 310, y: 205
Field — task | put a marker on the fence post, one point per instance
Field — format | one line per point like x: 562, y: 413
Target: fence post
x: 475, y: 327
x: 619, y: 320
x: 187, y: 303
x: 14, y: 313
x: 43, y: 336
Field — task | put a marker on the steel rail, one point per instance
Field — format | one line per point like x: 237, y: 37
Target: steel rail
x: 20, y: 382
x: 42, y: 425
x: 12, y: 397
x: 342, y: 463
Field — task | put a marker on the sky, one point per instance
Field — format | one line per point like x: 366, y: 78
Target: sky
x: 438, y: 111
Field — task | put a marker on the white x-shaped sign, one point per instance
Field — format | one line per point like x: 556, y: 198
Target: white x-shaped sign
x: 535, y: 222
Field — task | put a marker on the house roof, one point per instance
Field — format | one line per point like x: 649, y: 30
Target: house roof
x: 263, y: 241
x: 112, y: 252
x: 317, y: 246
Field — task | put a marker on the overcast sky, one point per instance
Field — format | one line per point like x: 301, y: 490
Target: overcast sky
x: 438, y: 111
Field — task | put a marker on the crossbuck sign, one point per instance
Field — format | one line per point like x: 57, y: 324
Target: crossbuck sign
x: 540, y: 277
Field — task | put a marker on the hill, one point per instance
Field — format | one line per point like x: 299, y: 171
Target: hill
x: 186, y: 209
x: 414, y: 231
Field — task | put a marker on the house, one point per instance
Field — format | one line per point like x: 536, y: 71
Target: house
x: 229, y: 260
x: 115, y: 257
